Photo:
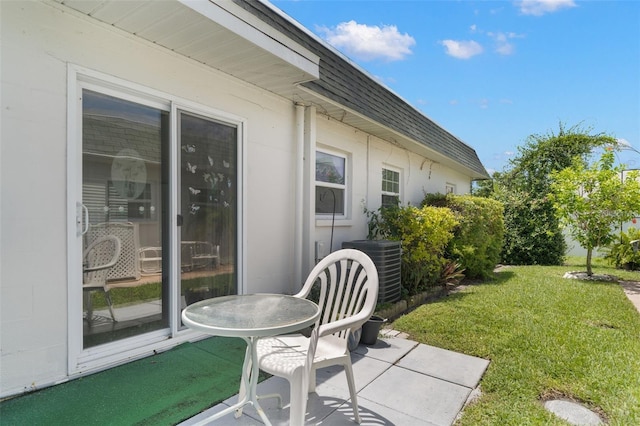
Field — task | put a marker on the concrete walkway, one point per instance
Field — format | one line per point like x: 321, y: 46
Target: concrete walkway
x: 632, y: 290
x: 399, y: 382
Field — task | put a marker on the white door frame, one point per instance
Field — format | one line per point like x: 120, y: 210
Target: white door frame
x: 82, y: 361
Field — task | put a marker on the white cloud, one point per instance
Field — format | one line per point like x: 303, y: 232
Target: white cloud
x: 624, y: 144
x: 463, y: 49
x: 503, y: 45
x: 383, y: 80
x: 368, y: 43
x: 505, y: 48
x: 540, y: 7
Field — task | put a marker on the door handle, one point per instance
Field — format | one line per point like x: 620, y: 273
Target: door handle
x: 82, y: 219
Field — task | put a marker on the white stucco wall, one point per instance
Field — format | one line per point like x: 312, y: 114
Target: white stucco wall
x: 39, y: 42
x: 368, y: 155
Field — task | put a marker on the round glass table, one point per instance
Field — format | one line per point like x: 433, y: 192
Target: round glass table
x: 249, y: 317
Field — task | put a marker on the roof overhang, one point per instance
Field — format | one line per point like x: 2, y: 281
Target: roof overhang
x: 359, y: 121
x: 217, y: 33
x: 224, y: 36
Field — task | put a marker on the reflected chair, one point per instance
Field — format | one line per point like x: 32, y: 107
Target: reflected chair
x: 150, y: 259
x: 348, y: 292
x: 99, y: 257
x: 128, y: 233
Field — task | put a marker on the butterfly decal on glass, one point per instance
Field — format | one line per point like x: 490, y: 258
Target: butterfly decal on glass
x: 191, y: 168
x: 189, y: 148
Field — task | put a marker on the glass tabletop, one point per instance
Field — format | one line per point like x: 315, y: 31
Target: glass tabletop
x: 254, y: 315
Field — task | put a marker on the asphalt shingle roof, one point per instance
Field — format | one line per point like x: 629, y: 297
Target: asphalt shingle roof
x: 347, y: 85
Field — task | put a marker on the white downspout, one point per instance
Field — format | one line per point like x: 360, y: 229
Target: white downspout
x: 366, y: 201
x: 299, y: 198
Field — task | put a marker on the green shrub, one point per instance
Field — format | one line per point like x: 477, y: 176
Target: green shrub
x: 621, y: 254
x: 478, y: 238
x: 424, y: 232
x: 532, y: 232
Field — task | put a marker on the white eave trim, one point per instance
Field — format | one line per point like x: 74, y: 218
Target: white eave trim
x: 251, y: 28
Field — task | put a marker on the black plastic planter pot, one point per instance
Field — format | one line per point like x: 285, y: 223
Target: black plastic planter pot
x: 370, y: 330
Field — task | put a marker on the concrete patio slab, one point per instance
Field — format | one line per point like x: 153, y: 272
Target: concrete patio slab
x: 451, y: 366
x: 365, y: 371
x: 320, y: 405
x: 417, y: 395
x: 372, y: 413
x: 390, y: 350
x: 399, y: 382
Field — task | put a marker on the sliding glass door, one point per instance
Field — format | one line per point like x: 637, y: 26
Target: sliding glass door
x: 208, y: 207
x: 147, y: 169
x: 123, y: 145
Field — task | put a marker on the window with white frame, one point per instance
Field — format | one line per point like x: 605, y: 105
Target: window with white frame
x: 390, y: 187
x: 449, y: 188
x: 331, y: 184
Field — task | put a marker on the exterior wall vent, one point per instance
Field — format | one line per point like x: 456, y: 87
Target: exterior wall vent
x: 386, y: 256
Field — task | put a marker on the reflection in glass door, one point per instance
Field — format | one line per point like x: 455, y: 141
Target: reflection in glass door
x: 124, y: 193
x: 208, y: 152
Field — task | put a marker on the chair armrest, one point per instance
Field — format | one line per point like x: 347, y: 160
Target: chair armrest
x: 98, y: 268
x: 353, y: 322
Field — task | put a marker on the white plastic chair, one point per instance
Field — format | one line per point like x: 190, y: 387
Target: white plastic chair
x: 99, y: 257
x: 348, y: 282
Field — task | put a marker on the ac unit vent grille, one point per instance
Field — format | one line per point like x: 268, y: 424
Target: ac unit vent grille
x: 386, y: 256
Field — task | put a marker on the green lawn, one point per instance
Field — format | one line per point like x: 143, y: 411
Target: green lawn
x: 217, y: 284
x: 545, y: 336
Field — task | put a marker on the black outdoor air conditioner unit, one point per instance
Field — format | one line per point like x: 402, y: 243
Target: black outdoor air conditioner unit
x: 386, y: 256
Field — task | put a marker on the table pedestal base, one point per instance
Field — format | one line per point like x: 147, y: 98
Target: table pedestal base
x: 249, y: 381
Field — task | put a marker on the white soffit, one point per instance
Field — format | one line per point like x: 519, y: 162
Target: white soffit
x: 217, y: 33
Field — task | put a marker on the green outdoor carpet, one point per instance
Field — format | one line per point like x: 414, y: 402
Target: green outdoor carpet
x: 163, y: 389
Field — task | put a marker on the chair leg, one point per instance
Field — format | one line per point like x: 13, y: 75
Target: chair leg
x: 107, y: 296
x: 298, y: 404
x: 312, y: 380
x: 348, y: 369
x: 89, y: 305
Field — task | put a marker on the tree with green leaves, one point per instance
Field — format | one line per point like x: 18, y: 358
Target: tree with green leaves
x: 532, y: 230
x: 592, y: 200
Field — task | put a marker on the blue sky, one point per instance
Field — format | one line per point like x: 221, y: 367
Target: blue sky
x: 494, y: 72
